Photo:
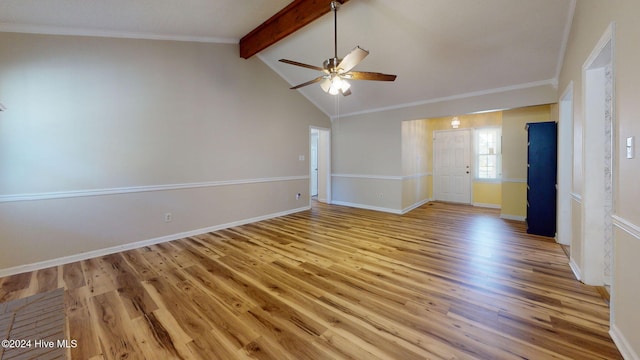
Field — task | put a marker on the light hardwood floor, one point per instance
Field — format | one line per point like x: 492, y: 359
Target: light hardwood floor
x: 443, y: 281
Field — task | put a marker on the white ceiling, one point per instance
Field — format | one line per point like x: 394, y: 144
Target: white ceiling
x: 438, y: 48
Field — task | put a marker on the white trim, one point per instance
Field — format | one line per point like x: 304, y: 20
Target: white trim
x: 513, y: 217
x: 605, y: 39
x: 577, y: 197
x: 575, y: 268
x: 416, y: 176
x: 596, y: 242
x: 626, y: 226
x: 552, y: 82
x: 71, y: 31
x: 374, y: 177
x: 489, y: 206
x: 383, y: 177
x: 137, y: 189
x: 486, y: 181
x: 138, y: 244
x: 514, y: 180
x: 565, y: 165
x: 327, y: 154
x: 414, y: 206
x: 367, y: 207
x: 622, y: 343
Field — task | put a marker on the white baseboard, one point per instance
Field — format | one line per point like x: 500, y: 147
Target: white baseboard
x: 628, y: 353
x: 138, y: 244
x: 575, y: 268
x: 490, y: 206
x: 414, y: 206
x: 367, y: 207
x: 382, y: 209
x: 513, y: 217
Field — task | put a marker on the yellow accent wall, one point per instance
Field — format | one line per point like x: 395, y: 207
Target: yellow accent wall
x: 487, y: 193
x: 514, y: 200
x: 483, y: 193
x: 511, y: 193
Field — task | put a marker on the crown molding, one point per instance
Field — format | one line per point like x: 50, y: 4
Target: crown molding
x: 71, y: 31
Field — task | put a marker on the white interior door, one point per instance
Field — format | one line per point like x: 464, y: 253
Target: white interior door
x: 452, y: 166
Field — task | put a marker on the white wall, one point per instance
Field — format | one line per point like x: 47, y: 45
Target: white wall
x: 102, y: 137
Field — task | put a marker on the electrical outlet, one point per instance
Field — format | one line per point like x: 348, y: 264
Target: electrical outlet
x: 298, y: 196
x: 380, y: 195
x: 168, y: 217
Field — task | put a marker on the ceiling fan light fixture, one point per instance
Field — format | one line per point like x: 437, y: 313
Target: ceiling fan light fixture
x: 337, y: 70
x: 338, y: 85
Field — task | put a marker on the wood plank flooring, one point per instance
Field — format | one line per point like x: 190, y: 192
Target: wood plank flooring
x: 441, y: 282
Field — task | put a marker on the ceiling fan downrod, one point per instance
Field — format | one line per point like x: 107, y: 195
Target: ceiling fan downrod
x: 334, y: 7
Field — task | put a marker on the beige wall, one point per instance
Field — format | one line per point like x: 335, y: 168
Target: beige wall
x: 367, y: 148
x: 366, y: 163
x: 102, y: 137
x: 591, y: 19
x: 514, y: 157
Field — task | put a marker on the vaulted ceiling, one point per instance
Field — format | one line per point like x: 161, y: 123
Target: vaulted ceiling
x: 438, y: 48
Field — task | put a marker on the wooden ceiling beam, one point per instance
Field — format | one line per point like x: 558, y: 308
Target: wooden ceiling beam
x: 284, y: 23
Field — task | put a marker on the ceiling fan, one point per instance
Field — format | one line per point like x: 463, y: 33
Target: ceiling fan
x: 337, y: 71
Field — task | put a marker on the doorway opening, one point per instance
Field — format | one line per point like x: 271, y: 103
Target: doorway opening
x: 320, y: 164
x: 598, y: 158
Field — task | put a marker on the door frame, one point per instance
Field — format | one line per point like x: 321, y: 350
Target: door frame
x: 471, y: 162
x: 598, y: 182
x: 565, y: 166
x: 324, y: 149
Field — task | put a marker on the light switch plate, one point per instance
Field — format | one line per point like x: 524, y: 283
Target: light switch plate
x: 630, y: 147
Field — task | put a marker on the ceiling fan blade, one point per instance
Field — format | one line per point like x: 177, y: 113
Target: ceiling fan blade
x: 319, y: 78
x: 363, y: 75
x: 291, y: 62
x: 352, y: 59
